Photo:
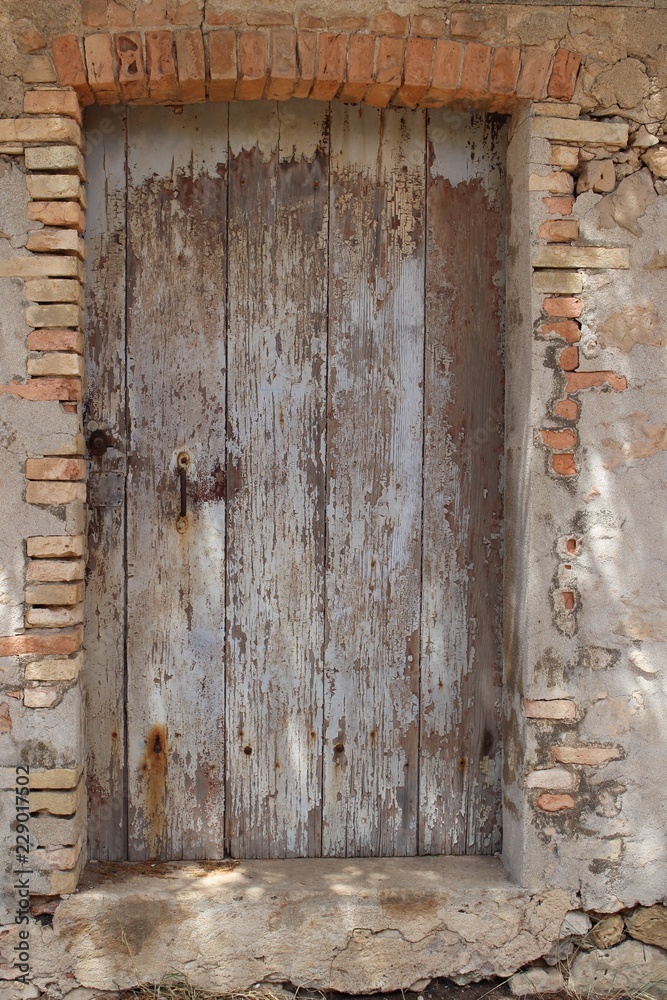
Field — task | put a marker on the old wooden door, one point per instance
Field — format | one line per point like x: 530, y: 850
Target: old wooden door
x: 295, y: 331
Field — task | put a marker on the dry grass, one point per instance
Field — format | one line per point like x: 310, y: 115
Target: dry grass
x: 177, y: 987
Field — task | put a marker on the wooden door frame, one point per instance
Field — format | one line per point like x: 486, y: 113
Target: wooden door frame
x: 485, y: 78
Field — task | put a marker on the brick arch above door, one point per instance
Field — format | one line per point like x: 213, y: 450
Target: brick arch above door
x: 182, y: 66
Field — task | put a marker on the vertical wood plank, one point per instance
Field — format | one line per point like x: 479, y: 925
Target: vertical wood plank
x: 277, y: 370
x: 104, y: 407
x: 177, y: 202
x: 374, y: 450
x: 462, y: 572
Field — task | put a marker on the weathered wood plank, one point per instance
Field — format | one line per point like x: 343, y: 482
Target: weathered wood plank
x: 177, y: 201
x: 104, y: 407
x: 374, y: 456
x: 278, y: 201
x: 462, y: 568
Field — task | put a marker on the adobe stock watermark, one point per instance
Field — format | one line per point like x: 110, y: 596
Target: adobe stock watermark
x: 22, y: 873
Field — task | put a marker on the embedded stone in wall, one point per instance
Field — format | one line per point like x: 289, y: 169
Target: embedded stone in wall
x: 649, y: 924
x: 608, y: 931
x: 656, y: 160
x: 628, y: 203
x: 630, y: 967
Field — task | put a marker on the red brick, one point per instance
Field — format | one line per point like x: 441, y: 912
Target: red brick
x: 64, y: 641
x: 161, y: 67
x: 283, y: 72
x: 564, y: 75
x: 191, y: 66
x: 67, y: 214
x: 478, y: 25
x: 504, y: 70
x: 277, y: 19
x: 100, y: 62
x: 475, y: 70
x: 417, y: 72
x: 389, y: 69
x: 347, y: 23
x: 56, y: 340
x: 563, y: 465
x: 554, y: 803
x: 562, y: 306
x: 431, y: 27
x: 389, y: 24
x: 567, y: 409
x: 53, y: 102
x: 119, y: 16
x: 306, y: 61
x: 186, y: 12
x: 565, y: 329
x: 330, y: 66
x: 532, y: 80
x: 55, y: 469
x: 306, y: 20
x: 94, y: 13
x: 559, y: 440
x: 131, y: 69
x: 222, y: 60
x: 218, y: 13
x: 446, y: 73
x: 559, y: 230
x: 559, y: 205
x: 70, y: 68
x: 252, y: 66
x: 64, y: 389
x: 151, y: 14
x: 577, y: 381
x: 360, y: 64
x: 568, y: 359
x: 29, y: 39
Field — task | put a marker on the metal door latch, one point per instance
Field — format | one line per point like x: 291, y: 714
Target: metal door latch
x: 182, y: 463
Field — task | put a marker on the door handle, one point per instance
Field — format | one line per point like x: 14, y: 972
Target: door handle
x: 182, y: 463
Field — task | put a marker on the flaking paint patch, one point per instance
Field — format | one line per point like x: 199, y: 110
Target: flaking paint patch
x: 641, y: 439
x: 632, y: 326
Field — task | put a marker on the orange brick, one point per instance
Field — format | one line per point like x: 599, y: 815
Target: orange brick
x: 431, y: 27
x: 565, y: 329
x: 559, y: 205
x: 218, y: 13
x: 348, y: 23
x: 532, y: 80
x: 330, y: 66
x: 562, y: 306
x: 252, y: 56
x: 306, y: 60
x: 475, y: 70
x: 151, y: 14
x: 578, y: 381
x: 64, y: 641
x: 269, y: 19
x: 283, y: 72
x: 70, y: 68
x: 64, y: 389
x: 222, y: 60
x: 360, y: 63
x: 389, y: 24
x: 29, y: 39
x: 55, y: 469
x: 504, y: 70
x: 569, y: 600
x: 389, y: 69
x: 131, y: 70
x: 564, y: 75
x: 559, y: 230
x: 56, y: 340
x: 191, y: 66
x: 563, y: 465
x: 559, y: 440
x: 186, y: 12
x: 567, y: 409
x: 100, y: 62
x: 161, y: 66
x: 119, y: 16
x: 53, y: 102
x: 67, y: 214
x: 568, y: 359
x: 417, y: 72
x: 554, y: 803
x: 94, y: 13
x: 305, y: 20
x: 446, y: 73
